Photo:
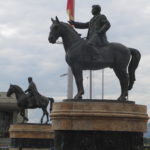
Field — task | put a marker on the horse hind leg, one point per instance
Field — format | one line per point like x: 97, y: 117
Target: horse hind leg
x: 136, y: 56
x: 42, y: 115
x: 47, y: 116
x: 124, y: 80
x: 45, y: 113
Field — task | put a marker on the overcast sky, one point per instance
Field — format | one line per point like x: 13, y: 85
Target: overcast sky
x: 25, y: 50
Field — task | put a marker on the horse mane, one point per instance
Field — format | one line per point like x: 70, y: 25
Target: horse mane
x: 71, y: 29
x: 18, y: 88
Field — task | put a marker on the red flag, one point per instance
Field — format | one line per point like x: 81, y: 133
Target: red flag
x: 70, y: 9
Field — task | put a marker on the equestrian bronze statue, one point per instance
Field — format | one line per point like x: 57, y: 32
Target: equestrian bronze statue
x: 26, y: 101
x: 80, y: 56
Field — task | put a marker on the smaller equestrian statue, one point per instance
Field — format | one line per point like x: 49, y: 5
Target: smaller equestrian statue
x: 83, y: 55
x: 26, y: 101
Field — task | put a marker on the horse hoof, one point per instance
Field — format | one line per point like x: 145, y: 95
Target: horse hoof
x: 122, y: 99
x: 78, y: 97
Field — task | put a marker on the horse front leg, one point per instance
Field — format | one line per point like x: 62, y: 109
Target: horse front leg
x: 77, y: 72
x: 22, y: 113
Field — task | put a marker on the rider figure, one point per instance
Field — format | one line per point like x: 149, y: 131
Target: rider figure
x: 97, y: 27
x: 32, y: 90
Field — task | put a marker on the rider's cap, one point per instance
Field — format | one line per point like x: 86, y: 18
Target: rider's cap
x: 98, y: 7
x: 29, y: 78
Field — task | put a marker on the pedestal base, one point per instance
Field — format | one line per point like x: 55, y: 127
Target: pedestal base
x: 32, y: 143
x: 98, y: 140
x: 99, y: 125
x: 31, y: 136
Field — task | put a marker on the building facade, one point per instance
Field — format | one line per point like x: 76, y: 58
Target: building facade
x: 8, y: 115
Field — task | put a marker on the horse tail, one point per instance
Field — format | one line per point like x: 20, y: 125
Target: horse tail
x: 136, y: 56
x: 51, y: 103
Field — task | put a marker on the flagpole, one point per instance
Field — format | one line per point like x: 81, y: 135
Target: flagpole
x: 70, y: 10
x: 90, y: 84
x: 102, y: 84
x: 70, y: 84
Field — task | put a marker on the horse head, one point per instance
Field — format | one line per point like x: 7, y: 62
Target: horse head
x: 55, y: 31
x: 14, y: 89
x: 11, y: 90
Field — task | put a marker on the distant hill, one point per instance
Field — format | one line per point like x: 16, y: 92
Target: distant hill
x: 147, y: 134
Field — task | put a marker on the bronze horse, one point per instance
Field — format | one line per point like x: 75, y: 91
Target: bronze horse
x: 80, y: 54
x: 25, y: 102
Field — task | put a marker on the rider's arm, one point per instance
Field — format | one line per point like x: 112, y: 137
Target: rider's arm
x: 26, y: 90
x: 79, y: 25
x: 106, y: 25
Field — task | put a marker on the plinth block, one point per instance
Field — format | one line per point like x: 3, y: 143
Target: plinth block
x: 31, y: 136
x: 99, y: 116
x: 31, y: 131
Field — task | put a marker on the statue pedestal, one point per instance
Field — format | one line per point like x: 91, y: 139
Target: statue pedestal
x: 99, y: 125
x: 31, y: 136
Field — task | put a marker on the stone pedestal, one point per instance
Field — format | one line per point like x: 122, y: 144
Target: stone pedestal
x: 99, y: 125
x: 31, y: 137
